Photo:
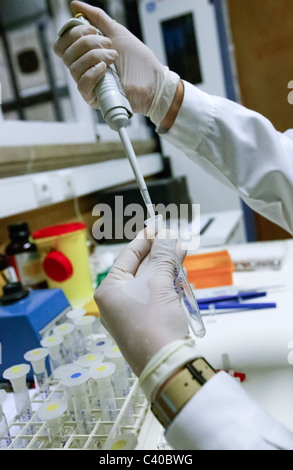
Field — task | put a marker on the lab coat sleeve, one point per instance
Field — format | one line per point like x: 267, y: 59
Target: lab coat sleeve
x: 240, y: 148
x: 222, y: 416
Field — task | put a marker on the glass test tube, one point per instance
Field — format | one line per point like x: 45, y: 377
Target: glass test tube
x: 37, y: 359
x: 53, y: 344
x: 66, y: 330
x: 121, y: 379
x: 52, y: 412
x: 103, y: 394
x: 17, y: 376
x: 5, y: 438
x: 181, y: 284
x: 85, y: 326
x: 78, y: 383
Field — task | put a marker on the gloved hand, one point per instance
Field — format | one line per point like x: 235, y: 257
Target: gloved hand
x: 150, y: 87
x: 137, y: 300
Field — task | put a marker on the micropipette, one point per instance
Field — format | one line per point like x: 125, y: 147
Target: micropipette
x: 37, y: 359
x: 117, y: 112
x: 5, y: 438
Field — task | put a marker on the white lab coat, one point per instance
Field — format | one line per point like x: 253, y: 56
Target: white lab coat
x: 241, y: 148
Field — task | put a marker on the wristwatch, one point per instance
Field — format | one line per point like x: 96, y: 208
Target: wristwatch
x: 178, y: 389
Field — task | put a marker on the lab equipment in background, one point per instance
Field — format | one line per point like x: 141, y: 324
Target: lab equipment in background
x: 65, y: 259
x: 23, y: 256
x: 66, y: 331
x: 53, y: 344
x: 51, y: 412
x: 77, y: 383
x: 34, y: 315
x: 7, y: 273
x: 85, y: 326
x: 102, y: 391
x: 37, y: 359
x: 212, y: 269
x: 17, y: 376
x: 5, y: 438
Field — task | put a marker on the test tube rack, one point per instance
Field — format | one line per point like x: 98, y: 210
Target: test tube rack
x: 34, y: 434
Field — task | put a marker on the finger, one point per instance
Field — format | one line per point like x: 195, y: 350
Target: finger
x: 96, y: 16
x: 131, y: 257
x: 88, y: 82
x: 83, y: 45
x: 71, y: 36
x: 90, y: 59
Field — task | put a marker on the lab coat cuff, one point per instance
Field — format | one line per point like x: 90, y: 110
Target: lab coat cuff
x: 169, y: 359
x: 193, y: 120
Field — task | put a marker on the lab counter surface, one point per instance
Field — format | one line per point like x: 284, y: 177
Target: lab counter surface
x: 256, y: 343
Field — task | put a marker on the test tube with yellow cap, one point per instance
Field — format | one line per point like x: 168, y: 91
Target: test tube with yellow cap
x: 37, y: 358
x: 17, y: 376
x: 52, y: 413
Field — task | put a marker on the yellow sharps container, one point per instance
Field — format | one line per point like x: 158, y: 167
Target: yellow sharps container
x: 65, y: 258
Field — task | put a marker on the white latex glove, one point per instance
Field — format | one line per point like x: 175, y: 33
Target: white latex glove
x: 138, y: 303
x: 150, y: 87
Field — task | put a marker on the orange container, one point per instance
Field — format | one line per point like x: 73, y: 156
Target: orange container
x: 212, y: 269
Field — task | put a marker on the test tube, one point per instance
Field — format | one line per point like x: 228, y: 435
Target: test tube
x: 103, y: 394
x: 85, y: 326
x: 5, y: 438
x: 181, y: 284
x: 90, y: 360
x: 52, y: 412
x: 17, y: 376
x: 77, y: 383
x: 37, y: 358
x: 121, y: 379
x: 66, y: 330
x: 53, y: 344
x: 59, y: 374
x: 122, y: 441
x: 101, y: 343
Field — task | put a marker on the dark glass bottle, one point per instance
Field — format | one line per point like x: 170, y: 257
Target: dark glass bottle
x: 23, y: 256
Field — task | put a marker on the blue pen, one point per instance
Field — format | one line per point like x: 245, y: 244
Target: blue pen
x: 236, y: 305
x: 236, y: 297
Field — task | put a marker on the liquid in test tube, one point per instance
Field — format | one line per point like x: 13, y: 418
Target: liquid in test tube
x: 5, y: 438
x: 102, y: 390
x: 37, y: 359
x: 77, y: 382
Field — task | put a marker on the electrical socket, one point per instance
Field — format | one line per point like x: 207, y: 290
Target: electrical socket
x: 43, y: 189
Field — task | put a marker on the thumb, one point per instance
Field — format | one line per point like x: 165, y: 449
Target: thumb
x: 96, y: 16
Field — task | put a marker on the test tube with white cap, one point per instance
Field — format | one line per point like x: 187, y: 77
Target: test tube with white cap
x: 17, y: 376
x: 37, y: 359
x: 52, y: 413
x: 77, y: 382
x: 103, y: 394
x: 101, y: 343
x: 53, y: 344
x: 66, y: 330
x: 85, y: 325
x: 121, y: 379
x: 5, y: 438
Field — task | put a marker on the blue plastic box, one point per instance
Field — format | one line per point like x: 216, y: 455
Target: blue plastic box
x: 24, y: 323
